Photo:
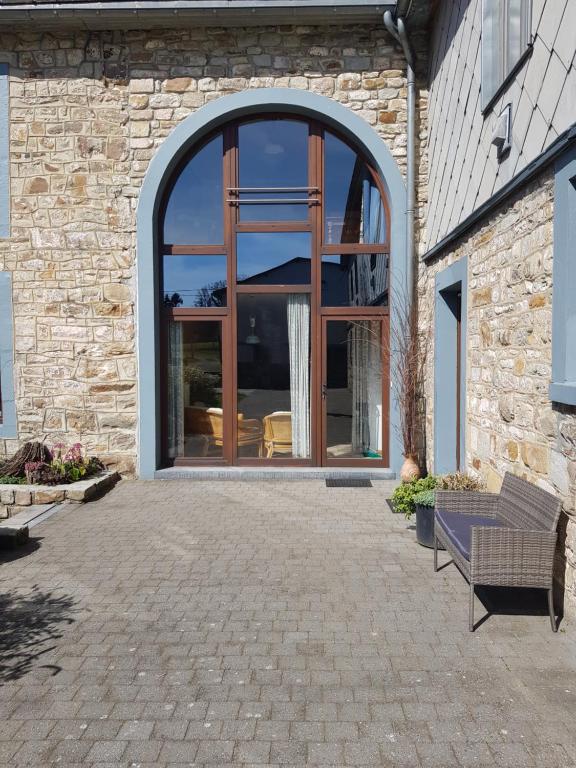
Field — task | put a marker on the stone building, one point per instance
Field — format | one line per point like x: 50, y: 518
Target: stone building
x: 213, y: 213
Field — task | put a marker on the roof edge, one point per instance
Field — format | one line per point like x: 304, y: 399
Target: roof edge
x: 108, y: 14
x: 533, y: 168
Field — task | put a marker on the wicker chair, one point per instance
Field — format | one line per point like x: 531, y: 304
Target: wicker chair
x: 506, y: 539
x: 277, y: 433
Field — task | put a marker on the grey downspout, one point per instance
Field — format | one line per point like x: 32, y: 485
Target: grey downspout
x: 399, y: 33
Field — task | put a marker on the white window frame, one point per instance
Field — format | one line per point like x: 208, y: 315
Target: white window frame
x: 500, y: 56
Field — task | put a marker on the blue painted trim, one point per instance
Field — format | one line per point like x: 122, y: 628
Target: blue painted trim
x: 4, y: 152
x: 8, y: 425
x: 563, y: 393
x: 450, y: 280
x: 190, y: 131
x: 563, y: 386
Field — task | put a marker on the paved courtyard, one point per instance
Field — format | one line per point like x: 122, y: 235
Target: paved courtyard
x: 180, y: 623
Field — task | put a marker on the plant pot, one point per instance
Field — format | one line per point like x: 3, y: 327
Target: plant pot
x: 410, y: 470
x: 425, y: 526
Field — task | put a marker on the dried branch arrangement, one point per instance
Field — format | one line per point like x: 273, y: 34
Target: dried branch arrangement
x: 408, y: 359
x: 30, y: 452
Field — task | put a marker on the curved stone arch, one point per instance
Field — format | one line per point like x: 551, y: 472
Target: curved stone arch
x: 162, y: 165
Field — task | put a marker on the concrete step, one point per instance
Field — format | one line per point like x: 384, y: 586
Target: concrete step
x: 272, y: 473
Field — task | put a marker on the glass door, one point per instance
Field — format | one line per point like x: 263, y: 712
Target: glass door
x: 273, y: 286
x: 196, y: 427
x: 354, y: 391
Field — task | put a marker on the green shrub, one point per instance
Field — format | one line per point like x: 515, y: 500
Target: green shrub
x: 11, y: 480
x: 425, y: 498
x: 403, y: 496
x: 422, y: 491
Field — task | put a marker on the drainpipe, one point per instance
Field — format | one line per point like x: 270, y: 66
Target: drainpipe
x: 399, y: 33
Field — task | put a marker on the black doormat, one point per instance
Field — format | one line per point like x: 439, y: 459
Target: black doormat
x: 391, y: 505
x: 348, y: 482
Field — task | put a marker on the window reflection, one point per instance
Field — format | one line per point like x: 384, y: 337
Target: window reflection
x: 194, y: 281
x: 353, y: 208
x: 273, y: 154
x: 195, y: 416
x: 194, y: 211
x: 355, y: 280
x: 354, y: 389
x: 274, y: 375
x: 273, y: 258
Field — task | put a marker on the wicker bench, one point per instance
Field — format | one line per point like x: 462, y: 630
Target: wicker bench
x: 506, y: 539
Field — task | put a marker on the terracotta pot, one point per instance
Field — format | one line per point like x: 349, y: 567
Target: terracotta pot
x: 410, y: 470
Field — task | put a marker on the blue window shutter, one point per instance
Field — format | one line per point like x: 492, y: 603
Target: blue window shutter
x: 4, y: 153
x: 8, y: 424
x: 563, y: 386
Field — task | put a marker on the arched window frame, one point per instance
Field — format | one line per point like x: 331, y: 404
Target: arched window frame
x: 177, y: 143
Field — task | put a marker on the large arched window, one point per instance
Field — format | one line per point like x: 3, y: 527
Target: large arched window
x: 274, y: 239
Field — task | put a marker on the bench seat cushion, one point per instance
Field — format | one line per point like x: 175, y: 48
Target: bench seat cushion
x: 458, y: 528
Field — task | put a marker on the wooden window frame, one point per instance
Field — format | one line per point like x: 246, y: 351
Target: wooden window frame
x: 318, y: 314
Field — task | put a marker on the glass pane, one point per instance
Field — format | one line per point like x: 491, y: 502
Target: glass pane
x: 274, y: 375
x: 353, y: 208
x: 354, y: 389
x: 273, y: 258
x: 194, y: 212
x: 359, y: 280
x: 492, y: 53
x: 514, y: 33
x: 273, y: 211
x: 195, y: 418
x: 194, y: 281
x: 273, y: 153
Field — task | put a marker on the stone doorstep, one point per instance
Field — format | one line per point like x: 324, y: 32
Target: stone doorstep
x: 17, y: 526
x: 273, y: 473
x: 18, y: 496
x: 17, y: 532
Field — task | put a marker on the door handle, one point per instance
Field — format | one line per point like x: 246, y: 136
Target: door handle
x: 324, y: 391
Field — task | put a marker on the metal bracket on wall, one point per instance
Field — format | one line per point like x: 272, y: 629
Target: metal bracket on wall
x: 502, y: 135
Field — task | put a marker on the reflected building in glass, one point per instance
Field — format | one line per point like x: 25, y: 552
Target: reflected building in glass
x: 274, y: 283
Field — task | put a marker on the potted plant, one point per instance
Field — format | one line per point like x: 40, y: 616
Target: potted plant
x: 403, y: 496
x: 424, y: 502
x: 424, y: 506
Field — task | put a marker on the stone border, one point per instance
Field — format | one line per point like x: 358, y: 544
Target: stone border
x: 14, y: 498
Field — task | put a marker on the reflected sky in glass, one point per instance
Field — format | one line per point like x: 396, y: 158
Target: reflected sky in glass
x: 194, y: 281
x: 274, y: 211
x: 353, y: 209
x: 273, y: 153
x: 194, y: 213
x: 273, y: 258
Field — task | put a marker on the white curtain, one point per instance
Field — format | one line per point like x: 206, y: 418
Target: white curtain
x: 365, y: 368
x: 299, y: 352
x: 175, y: 392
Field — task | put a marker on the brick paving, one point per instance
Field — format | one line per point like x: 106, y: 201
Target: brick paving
x: 274, y: 623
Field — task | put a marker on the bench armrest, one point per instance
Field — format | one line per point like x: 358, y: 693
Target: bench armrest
x: 512, y: 557
x: 468, y: 502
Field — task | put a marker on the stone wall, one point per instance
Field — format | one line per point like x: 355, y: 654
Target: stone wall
x: 511, y: 424
x: 87, y: 113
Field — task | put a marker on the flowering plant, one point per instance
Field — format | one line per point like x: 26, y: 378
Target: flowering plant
x: 64, y: 466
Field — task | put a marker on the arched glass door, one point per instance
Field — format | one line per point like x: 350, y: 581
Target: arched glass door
x: 274, y: 280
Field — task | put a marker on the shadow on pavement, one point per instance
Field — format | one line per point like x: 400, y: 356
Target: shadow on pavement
x: 512, y: 601
x: 28, y: 621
